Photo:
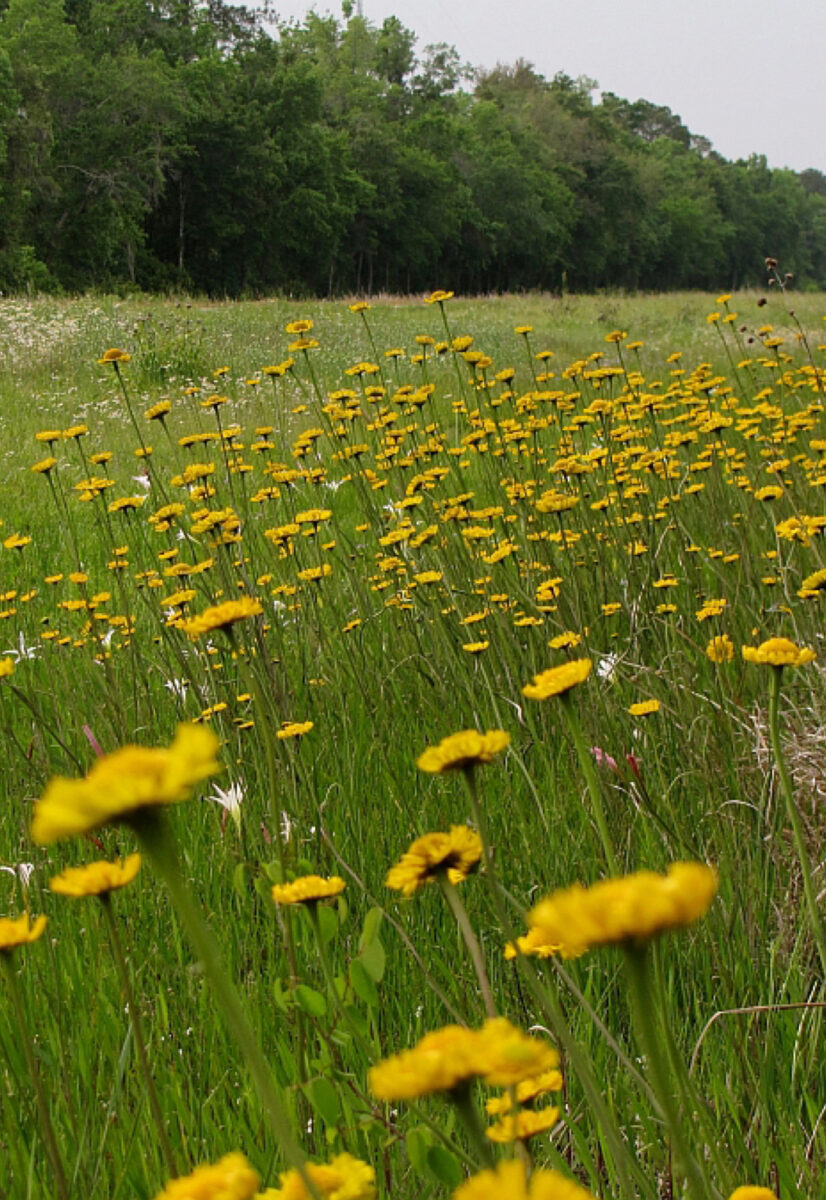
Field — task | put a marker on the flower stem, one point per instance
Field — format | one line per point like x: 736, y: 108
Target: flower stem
x: 459, y: 911
x: 469, y: 1116
x: 794, y: 815
x: 642, y: 990
x: 157, y: 842
x: 137, y: 1033
x: 594, y: 790
x: 47, y: 1128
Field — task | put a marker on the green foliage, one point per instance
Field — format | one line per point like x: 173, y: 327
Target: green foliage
x: 186, y: 145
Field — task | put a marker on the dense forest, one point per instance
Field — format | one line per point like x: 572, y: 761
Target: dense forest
x: 172, y: 144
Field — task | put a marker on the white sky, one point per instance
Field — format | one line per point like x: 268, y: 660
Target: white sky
x: 747, y: 74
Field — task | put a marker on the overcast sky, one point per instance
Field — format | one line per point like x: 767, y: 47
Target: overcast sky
x: 747, y: 74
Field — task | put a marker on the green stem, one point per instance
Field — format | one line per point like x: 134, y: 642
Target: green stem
x: 586, y: 763
x: 459, y: 911
x: 156, y: 840
x: 137, y: 1032
x: 469, y: 1116
x: 549, y: 1005
x: 47, y: 1128
x: 642, y: 989
x: 794, y: 815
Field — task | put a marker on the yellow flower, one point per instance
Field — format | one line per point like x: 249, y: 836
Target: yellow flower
x: 122, y: 783
x: 457, y: 852
x: 307, y: 889
x: 508, y: 1181
x: 557, y: 680
x: 526, y: 1091
x: 343, y: 1178
x: 565, y: 641
x: 438, y: 297
x: 461, y: 751
x: 752, y: 1193
x: 293, y: 729
x: 720, y: 649
x: 450, y: 1057
x: 45, y: 465
x: 221, y: 616
x: 6, y: 667
x: 97, y: 878
x: 510, y: 1055
x: 298, y: 327
x: 779, y: 652
x: 523, y: 1125
x: 628, y: 908
x: 114, y: 357
x: 19, y: 931
x: 231, y: 1178
x: 442, y: 1060
x: 644, y: 708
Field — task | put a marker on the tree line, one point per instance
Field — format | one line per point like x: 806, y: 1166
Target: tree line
x: 177, y: 144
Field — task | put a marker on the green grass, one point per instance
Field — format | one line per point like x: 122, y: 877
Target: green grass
x: 382, y: 690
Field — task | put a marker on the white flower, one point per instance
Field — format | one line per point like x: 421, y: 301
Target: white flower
x: 230, y: 800
x: 606, y: 665
x: 143, y: 480
x: 21, y: 650
x: 23, y: 871
x: 177, y: 687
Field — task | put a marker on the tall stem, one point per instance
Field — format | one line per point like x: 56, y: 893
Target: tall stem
x: 137, y: 1033
x: 794, y: 815
x: 156, y: 839
x: 459, y: 911
x: 46, y: 1126
x: 642, y: 989
x: 586, y: 763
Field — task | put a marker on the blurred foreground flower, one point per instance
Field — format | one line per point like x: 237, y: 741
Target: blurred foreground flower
x: 120, y: 784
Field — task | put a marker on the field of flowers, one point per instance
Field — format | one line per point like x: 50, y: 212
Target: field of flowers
x: 413, y: 749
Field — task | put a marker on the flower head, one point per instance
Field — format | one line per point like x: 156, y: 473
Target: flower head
x: 343, y: 1178
x: 307, y: 889
x: 96, y: 879
x: 629, y: 908
x: 463, y: 750
x: 779, y: 652
x: 448, y: 1058
x: 113, y: 357
x: 457, y: 853
x: 720, y: 649
x: 752, y: 1193
x: 523, y: 1125
x: 509, y: 1180
x: 644, y: 708
x: 18, y: 931
x: 558, y: 680
x: 122, y: 783
x: 221, y: 616
x: 231, y: 1178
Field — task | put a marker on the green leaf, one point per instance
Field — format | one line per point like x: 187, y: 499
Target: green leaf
x: 239, y: 879
x: 370, y: 929
x: 445, y: 1166
x: 327, y: 923
x: 418, y: 1141
x: 310, y: 1000
x: 325, y: 1101
x: 362, y: 984
x: 273, y: 872
x: 374, y: 959
x: 280, y: 996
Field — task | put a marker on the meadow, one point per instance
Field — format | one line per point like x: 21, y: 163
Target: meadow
x: 302, y: 543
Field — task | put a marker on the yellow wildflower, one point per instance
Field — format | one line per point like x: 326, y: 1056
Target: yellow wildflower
x: 122, y: 783
x: 508, y: 1181
x: 779, y: 652
x: 19, y: 931
x: 343, y: 1178
x: 557, y: 680
x: 221, y: 616
x: 97, y: 878
x: 231, y: 1178
x: 307, y: 889
x: 457, y: 852
x: 463, y: 751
